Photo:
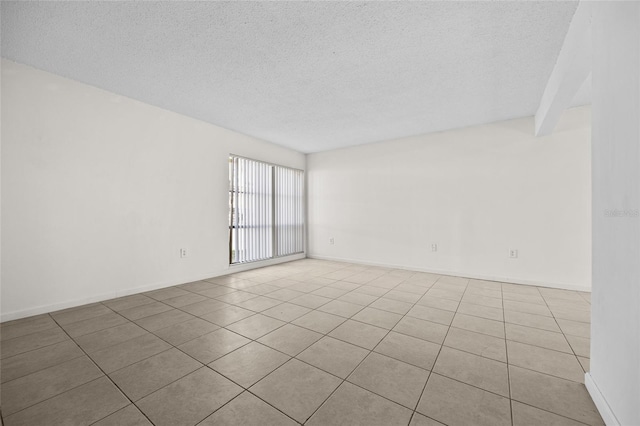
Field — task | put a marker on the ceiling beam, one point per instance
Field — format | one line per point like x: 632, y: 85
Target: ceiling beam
x: 572, y: 68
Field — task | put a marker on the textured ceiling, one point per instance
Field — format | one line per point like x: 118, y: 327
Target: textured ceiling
x: 307, y: 75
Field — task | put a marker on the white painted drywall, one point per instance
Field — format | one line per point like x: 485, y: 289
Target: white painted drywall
x: 476, y: 192
x: 615, y: 313
x: 99, y: 192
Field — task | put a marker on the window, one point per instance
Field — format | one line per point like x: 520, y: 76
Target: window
x: 266, y: 210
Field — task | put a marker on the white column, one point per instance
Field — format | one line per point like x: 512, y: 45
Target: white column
x: 614, y: 379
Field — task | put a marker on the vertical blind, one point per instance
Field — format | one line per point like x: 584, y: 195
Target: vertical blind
x: 266, y: 210
x: 289, y: 219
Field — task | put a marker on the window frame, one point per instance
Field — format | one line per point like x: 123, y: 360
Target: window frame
x: 273, y: 226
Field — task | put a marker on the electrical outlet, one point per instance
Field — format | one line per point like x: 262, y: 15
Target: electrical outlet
x: 183, y: 252
x: 331, y: 241
x: 513, y: 253
x: 434, y: 247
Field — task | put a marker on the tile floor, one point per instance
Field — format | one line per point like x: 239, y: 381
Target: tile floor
x: 306, y: 342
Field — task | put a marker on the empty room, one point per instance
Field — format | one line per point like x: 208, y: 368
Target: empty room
x: 320, y: 213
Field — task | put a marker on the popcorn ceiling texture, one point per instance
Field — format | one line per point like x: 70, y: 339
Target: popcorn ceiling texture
x: 311, y: 76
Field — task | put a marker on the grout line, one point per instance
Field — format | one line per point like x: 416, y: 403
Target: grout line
x: 101, y: 370
x: 435, y: 360
x: 4, y: 341
x: 345, y: 379
x: 202, y: 365
x: 506, y: 350
x: 251, y: 393
x: 117, y: 411
x: 44, y: 368
x: 551, y: 412
x: 565, y: 337
x: 62, y: 393
x: 404, y: 280
x: 290, y: 358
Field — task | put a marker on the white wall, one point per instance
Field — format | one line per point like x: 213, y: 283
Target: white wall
x: 99, y: 192
x: 477, y: 192
x: 614, y: 379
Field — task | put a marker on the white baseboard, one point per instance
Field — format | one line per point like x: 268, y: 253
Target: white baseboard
x: 600, y: 401
x: 8, y: 316
x: 513, y: 280
x: 44, y: 309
